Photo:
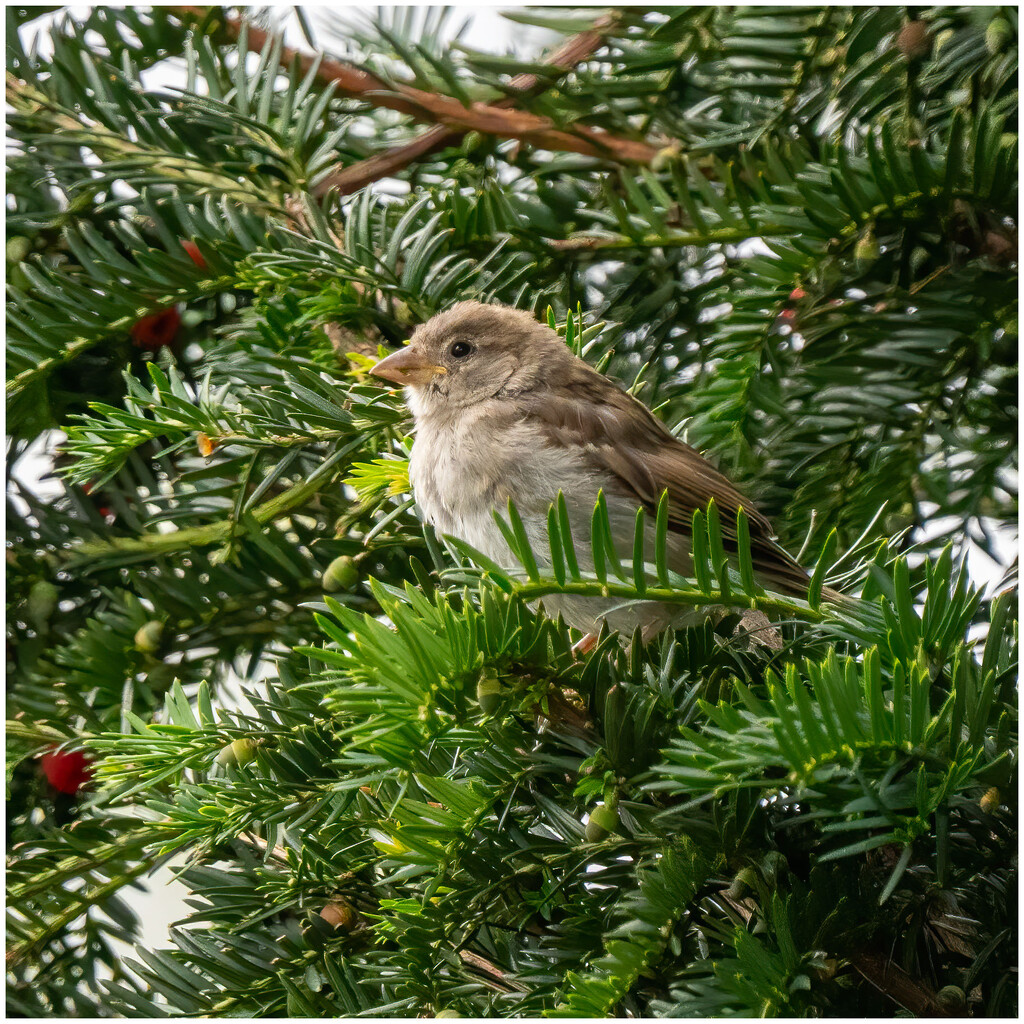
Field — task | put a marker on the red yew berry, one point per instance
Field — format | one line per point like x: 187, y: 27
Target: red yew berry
x: 796, y: 294
x: 194, y: 254
x: 155, y: 331
x: 67, y: 770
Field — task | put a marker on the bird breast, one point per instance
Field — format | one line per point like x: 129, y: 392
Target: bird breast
x: 464, y: 467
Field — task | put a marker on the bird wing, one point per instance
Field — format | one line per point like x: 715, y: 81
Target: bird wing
x: 617, y: 434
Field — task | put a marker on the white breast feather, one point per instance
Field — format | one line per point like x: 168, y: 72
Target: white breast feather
x: 472, y: 469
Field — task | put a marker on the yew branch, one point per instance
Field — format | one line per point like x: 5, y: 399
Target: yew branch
x: 488, y: 119
x: 351, y: 179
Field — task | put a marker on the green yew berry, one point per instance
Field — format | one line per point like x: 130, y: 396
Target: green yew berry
x: 997, y: 35
x: 603, y: 820
x: 237, y: 753
x: 147, y: 636
x: 42, y: 602
x: 341, y: 574
x: 403, y: 314
x: 447, y: 1013
x: 470, y: 142
x: 18, y: 247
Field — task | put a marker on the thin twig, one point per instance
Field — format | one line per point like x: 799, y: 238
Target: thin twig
x: 429, y: 107
x: 915, y: 288
x: 358, y: 175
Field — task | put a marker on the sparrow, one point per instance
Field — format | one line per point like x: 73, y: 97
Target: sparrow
x: 502, y: 409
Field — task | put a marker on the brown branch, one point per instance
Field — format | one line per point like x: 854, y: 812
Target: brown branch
x: 353, y: 178
x: 891, y: 980
x: 356, y: 176
x: 589, y: 243
x: 488, y: 119
x: 497, y: 978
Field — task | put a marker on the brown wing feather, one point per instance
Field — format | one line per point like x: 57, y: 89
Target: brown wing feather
x: 621, y: 436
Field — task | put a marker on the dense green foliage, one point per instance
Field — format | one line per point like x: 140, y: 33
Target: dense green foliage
x: 792, y: 231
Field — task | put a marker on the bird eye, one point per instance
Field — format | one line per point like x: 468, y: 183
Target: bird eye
x: 461, y: 349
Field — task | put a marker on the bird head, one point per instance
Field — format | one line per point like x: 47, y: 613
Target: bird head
x: 471, y: 353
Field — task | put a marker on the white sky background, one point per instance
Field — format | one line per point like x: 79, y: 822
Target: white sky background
x: 487, y: 31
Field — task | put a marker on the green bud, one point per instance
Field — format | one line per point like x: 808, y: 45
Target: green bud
x: 867, y: 249
x: 237, y: 753
x: 147, y: 636
x: 603, y: 820
x: 488, y: 692
x: 18, y: 247
x: 773, y: 864
x: 42, y: 602
x: 941, y: 39
x: 341, y: 574
x: 997, y: 35
x: 951, y: 997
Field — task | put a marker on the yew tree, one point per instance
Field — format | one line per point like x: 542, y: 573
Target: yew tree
x: 392, y: 785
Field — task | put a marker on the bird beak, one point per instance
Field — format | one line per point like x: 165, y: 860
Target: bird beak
x: 407, y: 366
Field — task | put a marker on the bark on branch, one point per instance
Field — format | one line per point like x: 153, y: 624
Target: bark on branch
x: 358, y: 175
x: 452, y: 117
